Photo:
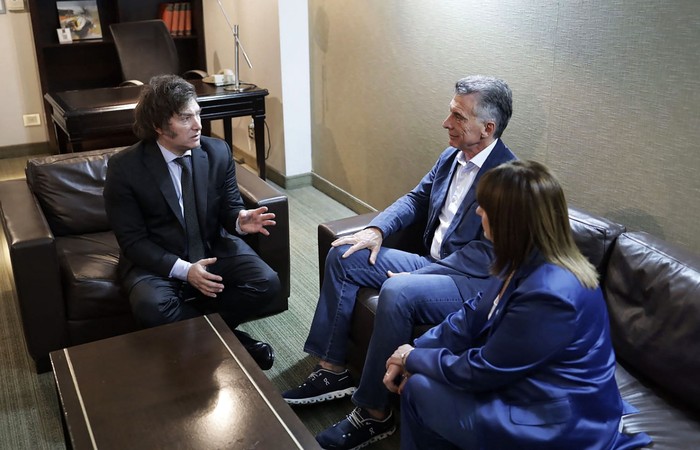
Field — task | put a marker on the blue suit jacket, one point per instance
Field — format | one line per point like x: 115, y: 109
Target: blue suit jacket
x: 143, y: 209
x: 464, y: 249
x: 541, y: 369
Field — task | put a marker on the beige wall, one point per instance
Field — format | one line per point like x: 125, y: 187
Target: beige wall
x: 259, y: 33
x: 20, y: 90
x: 606, y: 93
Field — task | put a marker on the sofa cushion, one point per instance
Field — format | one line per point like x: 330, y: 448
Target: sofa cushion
x: 653, y: 295
x: 69, y: 190
x: 88, y: 265
x: 670, y: 424
x: 594, y: 236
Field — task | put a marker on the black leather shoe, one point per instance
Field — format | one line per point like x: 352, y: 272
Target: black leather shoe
x: 262, y: 352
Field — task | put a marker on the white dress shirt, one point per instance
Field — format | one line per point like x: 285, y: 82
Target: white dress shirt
x: 462, y: 181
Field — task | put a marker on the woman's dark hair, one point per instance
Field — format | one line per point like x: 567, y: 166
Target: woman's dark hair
x: 160, y: 99
x: 526, y: 210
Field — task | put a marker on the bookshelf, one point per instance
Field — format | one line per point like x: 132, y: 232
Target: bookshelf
x: 94, y: 63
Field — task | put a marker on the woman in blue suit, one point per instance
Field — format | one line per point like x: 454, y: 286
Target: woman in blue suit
x: 529, y: 364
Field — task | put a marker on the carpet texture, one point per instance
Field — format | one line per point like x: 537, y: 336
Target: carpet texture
x: 29, y: 409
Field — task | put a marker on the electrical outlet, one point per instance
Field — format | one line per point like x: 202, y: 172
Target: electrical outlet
x: 251, y: 130
x: 31, y: 120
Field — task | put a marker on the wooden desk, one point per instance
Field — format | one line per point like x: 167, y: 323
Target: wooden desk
x: 81, y: 115
x: 189, y: 384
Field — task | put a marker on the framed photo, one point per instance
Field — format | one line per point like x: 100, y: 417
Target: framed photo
x: 81, y: 18
x: 2, y: 7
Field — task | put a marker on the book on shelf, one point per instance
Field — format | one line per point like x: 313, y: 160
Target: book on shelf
x: 177, y: 17
x: 165, y: 13
x: 181, y: 25
x: 187, y: 28
x: 82, y: 18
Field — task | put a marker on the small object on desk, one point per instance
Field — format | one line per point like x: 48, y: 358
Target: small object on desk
x: 216, y: 80
x: 223, y: 78
x: 64, y: 36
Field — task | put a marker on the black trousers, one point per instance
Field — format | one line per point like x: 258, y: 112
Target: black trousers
x: 249, y: 286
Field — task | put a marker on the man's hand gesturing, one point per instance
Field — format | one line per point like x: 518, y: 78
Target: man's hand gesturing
x: 255, y: 220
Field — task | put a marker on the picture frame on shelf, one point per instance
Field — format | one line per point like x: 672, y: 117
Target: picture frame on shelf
x: 81, y: 17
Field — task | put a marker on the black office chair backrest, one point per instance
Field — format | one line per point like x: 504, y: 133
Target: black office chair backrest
x: 145, y: 49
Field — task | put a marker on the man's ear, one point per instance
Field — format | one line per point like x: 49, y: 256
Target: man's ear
x: 489, y: 128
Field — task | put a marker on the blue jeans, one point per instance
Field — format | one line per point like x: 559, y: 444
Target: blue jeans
x: 404, y: 301
x: 343, y: 277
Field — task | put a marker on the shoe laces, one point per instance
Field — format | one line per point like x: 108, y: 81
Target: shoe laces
x: 315, y: 374
x: 355, y: 418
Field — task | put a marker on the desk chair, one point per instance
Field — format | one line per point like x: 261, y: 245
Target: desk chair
x: 145, y: 49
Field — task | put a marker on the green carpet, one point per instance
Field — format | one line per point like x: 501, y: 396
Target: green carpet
x: 29, y: 410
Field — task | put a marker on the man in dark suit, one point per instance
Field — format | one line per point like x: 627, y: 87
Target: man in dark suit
x: 454, y: 245
x: 174, y: 205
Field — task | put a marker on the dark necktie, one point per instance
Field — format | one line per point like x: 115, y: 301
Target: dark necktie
x: 195, y: 246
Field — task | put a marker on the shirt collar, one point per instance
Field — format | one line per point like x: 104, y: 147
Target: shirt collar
x: 170, y: 156
x: 480, y: 157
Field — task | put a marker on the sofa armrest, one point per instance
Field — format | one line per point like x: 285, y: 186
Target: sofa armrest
x: 275, y: 248
x: 330, y: 231
x: 34, y: 262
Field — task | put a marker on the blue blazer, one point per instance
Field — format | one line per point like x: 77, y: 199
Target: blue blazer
x: 465, y: 250
x: 143, y: 209
x: 541, y: 369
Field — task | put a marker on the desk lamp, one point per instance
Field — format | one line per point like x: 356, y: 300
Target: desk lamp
x: 237, y: 85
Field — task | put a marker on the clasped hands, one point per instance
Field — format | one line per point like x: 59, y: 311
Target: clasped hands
x: 396, y: 374
x: 249, y: 221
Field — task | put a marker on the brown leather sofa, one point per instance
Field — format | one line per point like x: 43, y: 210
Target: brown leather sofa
x: 652, y: 289
x: 64, y: 255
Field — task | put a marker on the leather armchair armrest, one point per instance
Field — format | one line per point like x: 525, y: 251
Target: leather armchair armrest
x: 330, y: 231
x: 35, y: 267
x: 409, y: 239
x: 275, y: 248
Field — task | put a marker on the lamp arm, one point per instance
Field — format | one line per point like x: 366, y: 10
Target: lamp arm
x: 245, y: 55
x: 235, y: 34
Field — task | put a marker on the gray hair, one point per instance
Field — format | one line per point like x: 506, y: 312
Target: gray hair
x: 494, y: 99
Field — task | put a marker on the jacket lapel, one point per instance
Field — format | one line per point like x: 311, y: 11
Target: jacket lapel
x: 438, y: 198
x: 200, y: 173
x: 154, y: 162
x: 533, y: 261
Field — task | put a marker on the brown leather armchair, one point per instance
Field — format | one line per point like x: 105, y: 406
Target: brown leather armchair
x: 64, y: 255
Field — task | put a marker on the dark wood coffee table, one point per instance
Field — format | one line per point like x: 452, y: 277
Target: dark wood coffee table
x: 189, y: 384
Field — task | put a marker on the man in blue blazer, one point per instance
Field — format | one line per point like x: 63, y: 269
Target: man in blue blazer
x: 176, y: 260
x: 453, y: 245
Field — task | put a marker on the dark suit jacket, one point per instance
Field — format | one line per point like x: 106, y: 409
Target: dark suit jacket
x: 144, y: 213
x: 541, y: 369
x: 465, y: 250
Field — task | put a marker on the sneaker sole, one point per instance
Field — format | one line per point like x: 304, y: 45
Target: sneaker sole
x: 376, y: 438
x: 321, y: 398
